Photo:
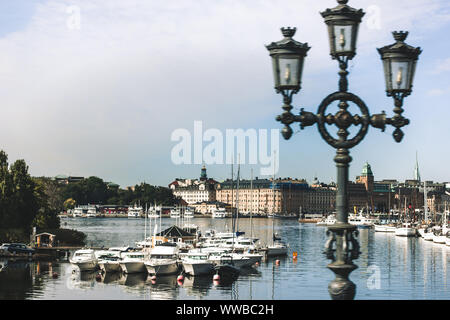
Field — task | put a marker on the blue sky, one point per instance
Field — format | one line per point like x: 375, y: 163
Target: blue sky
x: 100, y: 93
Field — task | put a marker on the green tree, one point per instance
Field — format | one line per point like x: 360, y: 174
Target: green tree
x: 69, y: 204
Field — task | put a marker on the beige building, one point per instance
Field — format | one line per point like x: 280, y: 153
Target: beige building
x: 195, y: 190
x: 263, y: 196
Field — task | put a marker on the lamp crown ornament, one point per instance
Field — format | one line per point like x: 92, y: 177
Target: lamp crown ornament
x: 288, y: 32
x: 400, y: 35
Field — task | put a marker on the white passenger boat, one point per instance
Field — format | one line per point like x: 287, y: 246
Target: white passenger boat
x: 384, y: 228
x: 219, y: 213
x: 361, y: 221
x: 84, y: 259
x: 405, y: 230
x: 188, y: 213
x: 175, y: 214
x: 134, y: 212
x: 78, y: 212
x: 197, y: 263
x: 331, y: 219
x: 163, y: 259
x: 91, y: 212
x: 154, y: 213
x: 132, y: 262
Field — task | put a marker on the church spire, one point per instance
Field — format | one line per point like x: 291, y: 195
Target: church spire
x: 416, y: 170
x: 203, y: 175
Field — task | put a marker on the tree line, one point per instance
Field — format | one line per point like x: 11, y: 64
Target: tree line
x: 27, y: 202
x: 94, y: 190
x: 24, y: 202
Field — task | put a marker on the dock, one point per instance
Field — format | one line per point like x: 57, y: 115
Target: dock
x: 47, y: 253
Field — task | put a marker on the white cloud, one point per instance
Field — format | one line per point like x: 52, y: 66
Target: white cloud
x: 136, y: 70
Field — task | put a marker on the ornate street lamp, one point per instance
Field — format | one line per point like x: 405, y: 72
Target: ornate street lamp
x: 399, y: 62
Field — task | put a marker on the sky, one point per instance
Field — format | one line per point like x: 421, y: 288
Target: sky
x: 98, y: 87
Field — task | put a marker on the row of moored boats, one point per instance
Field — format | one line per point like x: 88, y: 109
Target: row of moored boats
x: 223, y: 253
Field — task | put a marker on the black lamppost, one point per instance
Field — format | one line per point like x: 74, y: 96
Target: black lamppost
x: 399, y: 61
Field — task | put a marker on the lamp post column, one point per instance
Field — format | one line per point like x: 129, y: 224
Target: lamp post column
x: 342, y: 234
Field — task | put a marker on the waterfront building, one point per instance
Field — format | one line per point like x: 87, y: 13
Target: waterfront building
x: 207, y: 207
x: 263, y: 196
x: 195, y: 190
x: 320, y: 198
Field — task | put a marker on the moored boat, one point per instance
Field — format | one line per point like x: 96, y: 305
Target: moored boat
x: 197, y: 263
x: 84, y: 259
x: 132, y: 262
x: 163, y: 259
x: 384, y: 228
x: 405, y: 230
x: 109, y: 261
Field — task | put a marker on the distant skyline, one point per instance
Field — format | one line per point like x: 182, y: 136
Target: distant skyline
x: 96, y: 87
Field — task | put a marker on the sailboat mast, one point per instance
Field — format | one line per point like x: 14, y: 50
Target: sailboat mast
x: 232, y: 197
x: 237, y: 193
x: 251, y: 205
x: 425, y: 201
x: 145, y: 222
x: 273, y: 204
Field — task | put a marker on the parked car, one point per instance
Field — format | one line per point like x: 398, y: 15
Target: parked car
x: 17, y: 248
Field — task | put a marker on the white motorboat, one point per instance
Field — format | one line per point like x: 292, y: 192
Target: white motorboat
x: 146, y: 243
x: 134, y: 212
x: 84, y: 259
x: 277, y: 249
x: 219, y: 213
x: 331, y: 219
x: 439, y: 236
x: 254, y: 257
x: 132, y: 262
x: 447, y: 240
x: 197, y: 263
x: 405, y: 230
x: 426, y: 233
x: 109, y: 261
x: 240, y: 243
x: 384, y: 228
x: 163, y: 259
x: 361, y: 221
x: 235, y: 259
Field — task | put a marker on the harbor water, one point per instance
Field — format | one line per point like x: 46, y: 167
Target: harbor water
x: 389, y: 267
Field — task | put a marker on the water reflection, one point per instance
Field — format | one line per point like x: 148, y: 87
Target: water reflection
x: 15, y: 279
x: 198, y: 286
x: 110, y: 277
x: 410, y: 268
x: 133, y: 279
